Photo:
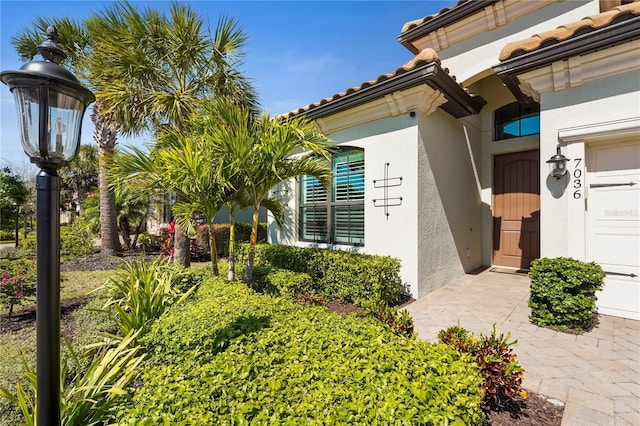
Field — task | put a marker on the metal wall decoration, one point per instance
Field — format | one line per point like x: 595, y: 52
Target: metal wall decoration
x: 386, y: 183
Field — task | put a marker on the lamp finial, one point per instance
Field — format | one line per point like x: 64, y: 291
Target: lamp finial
x: 49, y: 49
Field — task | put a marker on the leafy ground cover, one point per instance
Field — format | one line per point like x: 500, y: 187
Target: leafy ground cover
x: 233, y: 356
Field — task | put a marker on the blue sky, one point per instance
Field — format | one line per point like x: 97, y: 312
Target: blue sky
x: 298, y: 51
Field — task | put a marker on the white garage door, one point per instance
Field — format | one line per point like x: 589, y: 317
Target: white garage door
x: 613, y: 224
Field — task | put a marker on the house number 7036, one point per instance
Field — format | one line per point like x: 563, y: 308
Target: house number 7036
x: 576, y: 177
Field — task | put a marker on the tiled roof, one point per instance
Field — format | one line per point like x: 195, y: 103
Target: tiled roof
x: 424, y: 57
x: 414, y: 30
x: 412, y: 24
x: 568, y: 31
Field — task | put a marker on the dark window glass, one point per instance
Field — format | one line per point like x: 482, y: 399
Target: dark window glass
x: 515, y: 120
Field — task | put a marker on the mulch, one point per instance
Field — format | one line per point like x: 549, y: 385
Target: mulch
x: 27, y: 317
x: 536, y: 410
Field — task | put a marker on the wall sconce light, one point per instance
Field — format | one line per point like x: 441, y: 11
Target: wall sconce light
x: 558, y: 164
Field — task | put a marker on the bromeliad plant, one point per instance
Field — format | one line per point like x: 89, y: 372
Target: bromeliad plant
x: 92, y: 394
x: 140, y: 292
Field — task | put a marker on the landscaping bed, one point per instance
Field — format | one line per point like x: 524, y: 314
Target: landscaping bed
x: 534, y: 410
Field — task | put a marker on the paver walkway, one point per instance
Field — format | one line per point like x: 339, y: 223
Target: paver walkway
x: 596, y: 374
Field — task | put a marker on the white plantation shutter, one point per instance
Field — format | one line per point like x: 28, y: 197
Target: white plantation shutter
x: 348, y: 176
x: 348, y: 224
x: 312, y: 191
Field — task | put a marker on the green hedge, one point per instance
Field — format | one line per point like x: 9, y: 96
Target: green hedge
x: 282, y: 282
x: 349, y: 277
x: 231, y: 356
x: 200, y: 244
x: 563, y: 292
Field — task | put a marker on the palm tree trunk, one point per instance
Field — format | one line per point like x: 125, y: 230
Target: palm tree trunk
x: 138, y: 230
x: 124, y: 228
x: 231, y: 274
x: 106, y: 140
x: 181, y: 244
x: 213, y: 250
x: 248, y: 271
x: 182, y: 252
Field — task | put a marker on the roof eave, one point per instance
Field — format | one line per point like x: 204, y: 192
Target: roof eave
x: 454, y: 14
x: 459, y: 102
x: 599, y: 39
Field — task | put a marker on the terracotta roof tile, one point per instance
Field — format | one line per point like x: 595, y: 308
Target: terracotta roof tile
x: 412, y: 24
x: 567, y: 31
x: 426, y: 56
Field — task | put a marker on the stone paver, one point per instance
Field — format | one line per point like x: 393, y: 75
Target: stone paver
x: 596, y: 374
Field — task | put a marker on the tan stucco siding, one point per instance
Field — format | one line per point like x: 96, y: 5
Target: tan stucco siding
x: 449, y: 207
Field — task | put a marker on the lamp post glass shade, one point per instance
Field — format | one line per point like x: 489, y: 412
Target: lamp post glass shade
x: 51, y: 103
x: 63, y: 121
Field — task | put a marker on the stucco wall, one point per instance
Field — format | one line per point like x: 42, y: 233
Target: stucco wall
x: 390, y: 140
x: 449, y: 210
x: 604, y: 101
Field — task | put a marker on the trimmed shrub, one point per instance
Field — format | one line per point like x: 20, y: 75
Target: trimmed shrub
x: 28, y: 245
x: 76, y: 241
x: 348, y: 277
x: 498, y: 364
x: 149, y: 243
x: 12, y: 253
x: 231, y: 356
x: 7, y: 234
x: 288, y: 283
x: 563, y: 292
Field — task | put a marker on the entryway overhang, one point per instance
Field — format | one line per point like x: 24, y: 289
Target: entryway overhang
x: 593, y: 34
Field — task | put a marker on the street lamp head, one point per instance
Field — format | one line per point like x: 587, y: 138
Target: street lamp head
x: 51, y: 103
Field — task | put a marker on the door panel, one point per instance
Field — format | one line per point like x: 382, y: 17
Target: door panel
x: 516, y: 209
x: 613, y: 224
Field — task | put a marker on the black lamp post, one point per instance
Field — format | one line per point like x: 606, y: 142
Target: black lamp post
x: 51, y: 103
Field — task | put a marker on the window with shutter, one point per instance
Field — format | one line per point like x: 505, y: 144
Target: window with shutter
x: 339, y: 217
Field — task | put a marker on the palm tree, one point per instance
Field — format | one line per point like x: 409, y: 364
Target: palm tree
x: 80, y: 177
x: 258, y: 152
x: 183, y: 166
x: 149, y: 71
x: 159, y: 68
x: 234, y: 205
x: 132, y: 204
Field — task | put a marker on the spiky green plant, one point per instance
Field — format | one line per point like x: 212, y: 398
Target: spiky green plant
x: 91, y: 396
x: 141, y: 292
